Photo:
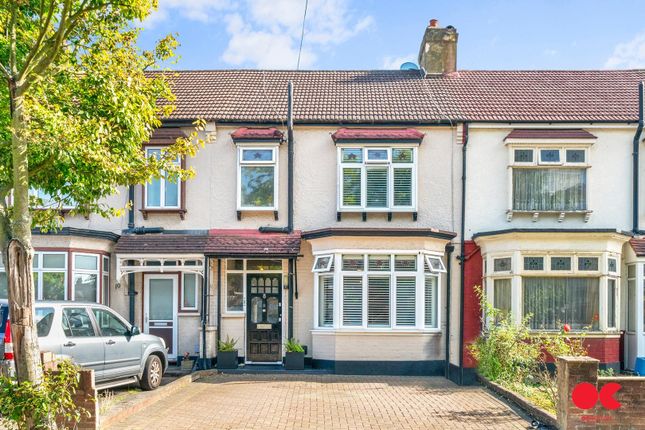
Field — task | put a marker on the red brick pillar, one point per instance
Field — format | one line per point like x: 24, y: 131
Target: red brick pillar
x: 86, y: 398
x: 473, y: 274
x: 571, y: 372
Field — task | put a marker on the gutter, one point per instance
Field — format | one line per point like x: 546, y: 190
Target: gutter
x: 462, y: 256
x: 289, y: 228
x: 205, y: 311
x: 449, y: 249
x: 635, y: 161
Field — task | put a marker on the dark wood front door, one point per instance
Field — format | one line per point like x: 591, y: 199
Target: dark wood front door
x: 264, y: 317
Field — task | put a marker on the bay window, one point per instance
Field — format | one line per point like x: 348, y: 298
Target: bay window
x: 257, y: 178
x: 162, y: 192
x: 377, y: 291
x: 550, y: 179
x: 556, y: 289
x: 50, y: 275
x: 377, y: 179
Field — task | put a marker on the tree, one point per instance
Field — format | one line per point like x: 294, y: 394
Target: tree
x: 78, y: 102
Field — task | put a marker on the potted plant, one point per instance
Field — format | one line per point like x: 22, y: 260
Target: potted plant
x: 227, y: 354
x: 295, y: 355
x: 187, y: 363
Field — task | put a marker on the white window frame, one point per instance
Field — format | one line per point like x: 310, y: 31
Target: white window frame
x: 327, y: 268
x: 105, y: 279
x: 162, y: 185
x: 183, y: 292
x: 420, y: 277
x: 541, y: 162
x: 537, y: 146
x: 430, y: 258
x: 40, y: 270
x: 274, y: 147
x: 244, y: 271
x: 96, y: 272
x: 518, y: 273
x: 365, y: 165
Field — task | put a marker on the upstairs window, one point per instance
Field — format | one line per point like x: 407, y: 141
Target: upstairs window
x: 257, y: 178
x: 549, y: 179
x: 162, y: 193
x: 46, y: 201
x: 377, y: 179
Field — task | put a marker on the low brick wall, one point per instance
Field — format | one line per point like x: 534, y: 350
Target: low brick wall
x: 591, y: 412
x: 85, y: 397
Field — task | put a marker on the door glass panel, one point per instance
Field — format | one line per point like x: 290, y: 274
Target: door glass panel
x: 264, y: 265
x: 256, y: 310
x: 161, y: 298
x: 273, y: 310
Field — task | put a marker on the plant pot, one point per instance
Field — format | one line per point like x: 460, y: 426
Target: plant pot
x: 187, y: 364
x: 294, y: 361
x: 227, y: 359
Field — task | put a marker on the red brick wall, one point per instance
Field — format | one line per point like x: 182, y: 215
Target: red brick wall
x: 472, y: 310
x: 629, y: 415
x: 607, y: 350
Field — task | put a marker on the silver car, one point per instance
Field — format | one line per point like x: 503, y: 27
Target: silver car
x: 94, y: 337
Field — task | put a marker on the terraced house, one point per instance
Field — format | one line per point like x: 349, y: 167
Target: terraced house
x: 357, y: 210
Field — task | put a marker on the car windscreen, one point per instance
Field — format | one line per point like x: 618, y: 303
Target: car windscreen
x: 44, y: 319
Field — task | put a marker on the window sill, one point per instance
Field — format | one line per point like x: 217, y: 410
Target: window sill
x: 536, y: 214
x: 260, y: 211
x: 234, y: 315
x: 365, y: 211
x: 147, y: 211
x: 376, y: 332
x: 585, y: 335
x: 187, y: 313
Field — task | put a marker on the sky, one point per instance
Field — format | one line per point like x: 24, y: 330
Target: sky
x: 382, y: 34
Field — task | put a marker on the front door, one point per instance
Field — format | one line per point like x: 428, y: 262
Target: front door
x: 264, y: 317
x: 160, y: 304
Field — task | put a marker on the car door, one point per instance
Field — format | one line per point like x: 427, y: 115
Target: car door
x: 122, y: 351
x: 81, y: 341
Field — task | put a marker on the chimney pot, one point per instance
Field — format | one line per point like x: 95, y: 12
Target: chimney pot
x: 434, y: 22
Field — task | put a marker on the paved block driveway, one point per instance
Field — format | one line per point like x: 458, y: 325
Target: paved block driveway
x: 266, y: 402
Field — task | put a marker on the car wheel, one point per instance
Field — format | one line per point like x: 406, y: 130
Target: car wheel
x: 152, y: 373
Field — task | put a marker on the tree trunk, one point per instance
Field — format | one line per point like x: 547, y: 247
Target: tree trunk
x: 19, y: 256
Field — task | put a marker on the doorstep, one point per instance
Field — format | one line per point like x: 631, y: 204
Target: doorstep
x: 255, y: 369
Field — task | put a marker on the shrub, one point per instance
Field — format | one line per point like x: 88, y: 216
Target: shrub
x: 28, y: 406
x: 509, y: 354
x: 228, y: 345
x: 293, y: 345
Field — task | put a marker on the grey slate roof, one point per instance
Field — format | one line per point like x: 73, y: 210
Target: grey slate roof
x: 405, y: 96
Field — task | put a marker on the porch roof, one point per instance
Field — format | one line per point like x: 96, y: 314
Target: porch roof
x: 251, y: 242
x: 161, y: 244
x: 639, y: 246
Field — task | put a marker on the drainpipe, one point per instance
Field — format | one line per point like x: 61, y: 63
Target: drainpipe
x: 635, y: 154
x: 205, y: 312
x: 462, y: 256
x: 219, y: 301
x: 291, y: 278
x: 289, y: 227
x: 449, y: 249
x: 131, y: 292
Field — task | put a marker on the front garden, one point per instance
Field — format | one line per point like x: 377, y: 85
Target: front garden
x: 520, y: 360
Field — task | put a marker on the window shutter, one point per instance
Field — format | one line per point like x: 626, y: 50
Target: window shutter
x: 352, y: 301
x: 405, y: 303
x: 430, y: 301
x: 402, y: 186
x: 378, y: 301
x: 326, y: 314
x: 351, y: 186
x: 377, y: 187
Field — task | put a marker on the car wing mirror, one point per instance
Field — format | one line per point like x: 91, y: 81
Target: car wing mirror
x: 134, y: 331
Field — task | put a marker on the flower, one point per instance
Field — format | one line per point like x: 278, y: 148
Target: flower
x: 566, y: 328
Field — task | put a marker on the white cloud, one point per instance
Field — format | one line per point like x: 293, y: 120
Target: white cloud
x: 394, y: 63
x: 628, y: 55
x: 268, y: 35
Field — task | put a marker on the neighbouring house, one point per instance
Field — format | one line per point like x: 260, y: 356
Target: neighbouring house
x: 362, y: 229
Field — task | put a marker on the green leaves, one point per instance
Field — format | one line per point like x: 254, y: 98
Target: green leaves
x: 90, y: 102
